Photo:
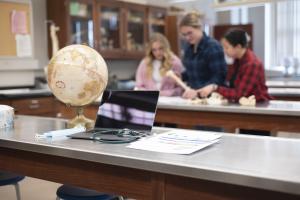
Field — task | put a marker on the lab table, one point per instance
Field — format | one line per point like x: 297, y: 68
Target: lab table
x: 237, y: 167
x: 270, y: 116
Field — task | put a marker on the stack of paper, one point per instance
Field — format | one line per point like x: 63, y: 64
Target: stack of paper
x: 177, y: 141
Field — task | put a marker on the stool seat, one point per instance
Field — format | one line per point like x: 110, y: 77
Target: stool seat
x: 68, y: 192
x: 7, y: 178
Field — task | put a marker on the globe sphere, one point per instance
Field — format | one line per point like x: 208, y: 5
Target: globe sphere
x: 77, y: 75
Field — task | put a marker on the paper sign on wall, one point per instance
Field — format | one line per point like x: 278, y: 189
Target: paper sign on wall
x: 18, y: 22
x: 24, y: 47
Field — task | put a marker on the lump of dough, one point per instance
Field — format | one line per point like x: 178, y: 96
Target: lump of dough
x: 250, y: 101
x: 216, y: 99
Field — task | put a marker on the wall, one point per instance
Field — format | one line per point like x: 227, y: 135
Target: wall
x: 223, y: 17
x: 204, y: 6
x: 257, y: 18
x: 254, y: 15
x: 40, y: 32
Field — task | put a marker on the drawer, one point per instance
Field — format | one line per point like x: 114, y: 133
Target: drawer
x: 34, y: 106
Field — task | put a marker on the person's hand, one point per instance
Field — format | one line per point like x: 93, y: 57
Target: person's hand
x: 189, y: 94
x: 207, y: 90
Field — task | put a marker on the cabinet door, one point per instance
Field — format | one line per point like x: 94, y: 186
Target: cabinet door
x: 135, y: 30
x: 42, y: 106
x: 172, y: 33
x: 68, y: 112
x: 81, y: 25
x: 109, y: 30
x: 156, y: 20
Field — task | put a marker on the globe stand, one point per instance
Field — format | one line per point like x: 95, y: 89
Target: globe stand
x: 80, y: 119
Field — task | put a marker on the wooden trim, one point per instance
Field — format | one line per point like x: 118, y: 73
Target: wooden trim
x: 229, y: 121
x: 172, y: 33
x: 105, y: 178
x: 129, y: 182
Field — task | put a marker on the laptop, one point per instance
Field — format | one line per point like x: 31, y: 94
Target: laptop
x: 123, y: 116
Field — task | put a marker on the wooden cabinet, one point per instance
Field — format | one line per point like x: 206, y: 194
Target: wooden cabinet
x: 68, y: 112
x: 43, y: 106
x: 120, y: 29
x: 75, y: 19
x: 135, y: 30
x: 117, y: 29
x: 172, y: 33
x: 80, y: 24
x: 40, y: 106
x: 156, y: 20
x: 110, y: 31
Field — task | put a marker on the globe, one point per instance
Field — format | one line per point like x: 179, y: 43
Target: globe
x: 77, y: 75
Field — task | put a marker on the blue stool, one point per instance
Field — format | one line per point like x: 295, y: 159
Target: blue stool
x: 67, y: 192
x: 7, y: 178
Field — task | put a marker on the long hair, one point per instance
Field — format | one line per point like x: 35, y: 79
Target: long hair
x: 167, y: 56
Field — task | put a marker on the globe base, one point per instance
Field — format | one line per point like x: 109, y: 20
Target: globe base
x: 80, y: 119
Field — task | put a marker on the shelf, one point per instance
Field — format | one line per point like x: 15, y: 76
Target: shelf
x: 157, y: 24
x: 81, y: 18
x: 139, y: 23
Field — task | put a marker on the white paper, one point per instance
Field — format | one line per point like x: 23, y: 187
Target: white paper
x: 18, y: 22
x: 23, y: 45
x: 177, y: 141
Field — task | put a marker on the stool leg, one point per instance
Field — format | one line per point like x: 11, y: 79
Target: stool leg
x: 17, y: 187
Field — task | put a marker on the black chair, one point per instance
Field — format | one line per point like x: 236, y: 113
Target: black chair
x: 7, y: 178
x: 67, y: 192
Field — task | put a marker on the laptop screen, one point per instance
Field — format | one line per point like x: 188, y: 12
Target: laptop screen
x: 127, y: 109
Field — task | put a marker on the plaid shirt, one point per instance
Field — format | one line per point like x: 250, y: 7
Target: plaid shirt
x: 250, y: 79
x: 206, y: 66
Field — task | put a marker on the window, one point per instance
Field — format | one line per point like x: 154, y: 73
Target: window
x: 283, y: 32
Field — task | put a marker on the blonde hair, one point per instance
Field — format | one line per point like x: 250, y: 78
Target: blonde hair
x: 193, y: 19
x: 167, y: 58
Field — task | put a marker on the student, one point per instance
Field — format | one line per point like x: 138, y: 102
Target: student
x: 203, y: 57
x: 151, y: 73
x: 246, y: 77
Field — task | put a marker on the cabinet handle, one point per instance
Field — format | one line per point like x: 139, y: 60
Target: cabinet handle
x: 34, y: 101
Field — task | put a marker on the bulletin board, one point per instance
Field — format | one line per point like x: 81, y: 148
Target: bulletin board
x: 7, y: 38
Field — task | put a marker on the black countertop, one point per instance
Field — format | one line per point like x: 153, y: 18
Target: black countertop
x: 24, y: 93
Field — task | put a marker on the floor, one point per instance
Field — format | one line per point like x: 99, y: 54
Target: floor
x: 31, y: 188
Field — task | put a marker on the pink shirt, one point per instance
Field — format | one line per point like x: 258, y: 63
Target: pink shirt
x: 168, y: 85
